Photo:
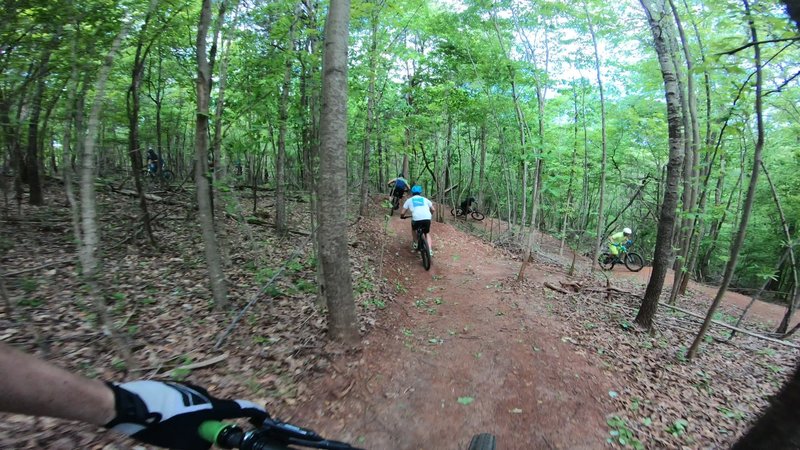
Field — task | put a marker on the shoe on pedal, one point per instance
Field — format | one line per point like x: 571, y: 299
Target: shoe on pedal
x: 414, y: 246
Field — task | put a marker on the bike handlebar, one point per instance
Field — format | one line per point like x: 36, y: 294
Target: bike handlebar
x: 273, y: 435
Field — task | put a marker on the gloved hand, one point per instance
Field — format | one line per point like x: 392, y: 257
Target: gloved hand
x: 169, y: 414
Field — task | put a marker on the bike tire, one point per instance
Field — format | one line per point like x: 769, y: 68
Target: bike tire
x: 457, y: 212
x: 167, y: 176
x: 634, y: 262
x: 477, y: 216
x: 425, y: 253
x: 606, y: 261
x: 483, y: 441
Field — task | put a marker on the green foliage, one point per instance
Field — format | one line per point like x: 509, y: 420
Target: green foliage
x: 621, y: 434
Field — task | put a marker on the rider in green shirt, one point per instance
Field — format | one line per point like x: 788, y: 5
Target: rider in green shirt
x: 617, y: 239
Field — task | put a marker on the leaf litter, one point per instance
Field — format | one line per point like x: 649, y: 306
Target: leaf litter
x: 161, y: 301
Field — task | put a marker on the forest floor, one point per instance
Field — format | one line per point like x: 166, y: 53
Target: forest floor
x: 460, y: 349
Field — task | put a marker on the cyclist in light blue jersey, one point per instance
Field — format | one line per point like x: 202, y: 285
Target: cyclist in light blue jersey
x: 421, y: 214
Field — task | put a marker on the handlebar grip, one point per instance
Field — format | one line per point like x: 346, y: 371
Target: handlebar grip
x: 211, y: 429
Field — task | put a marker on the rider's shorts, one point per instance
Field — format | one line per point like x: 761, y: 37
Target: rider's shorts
x: 425, y: 225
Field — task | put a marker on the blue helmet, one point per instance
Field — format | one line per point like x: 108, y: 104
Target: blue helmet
x: 417, y: 189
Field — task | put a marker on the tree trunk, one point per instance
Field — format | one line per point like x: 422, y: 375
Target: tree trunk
x: 134, y: 150
x: 369, y: 125
x: 601, y: 205
x: 201, y: 172
x: 36, y: 196
x: 89, y: 237
x: 283, y: 118
x: 736, y: 245
x: 332, y: 235
x: 655, y: 13
x: 792, y: 303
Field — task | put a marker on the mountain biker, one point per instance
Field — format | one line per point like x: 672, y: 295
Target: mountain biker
x: 421, y: 214
x: 152, y: 161
x: 166, y: 414
x: 400, y: 186
x: 617, y: 239
x: 466, y: 205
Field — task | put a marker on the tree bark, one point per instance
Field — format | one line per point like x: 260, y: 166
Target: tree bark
x: 369, y: 125
x: 201, y: 172
x: 601, y: 205
x: 332, y: 235
x: 283, y: 119
x: 736, y: 245
x: 133, y: 103
x: 655, y: 13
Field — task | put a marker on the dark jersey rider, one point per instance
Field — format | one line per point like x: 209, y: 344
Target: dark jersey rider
x: 400, y: 186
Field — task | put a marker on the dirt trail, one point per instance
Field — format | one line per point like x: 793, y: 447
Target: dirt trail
x: 459, y: 352
x: 761, y: 311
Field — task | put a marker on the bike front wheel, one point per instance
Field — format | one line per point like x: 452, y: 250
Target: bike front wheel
x: 483, y: 441
x: 477, y: 216
x: 634, y: 262
x: 606, y: 261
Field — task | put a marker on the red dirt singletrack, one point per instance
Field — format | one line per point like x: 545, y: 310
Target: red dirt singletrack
x: 457, y: 352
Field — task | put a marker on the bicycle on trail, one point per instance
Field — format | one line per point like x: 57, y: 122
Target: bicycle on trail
x: 633, y: 261
x: 158, y: 174
x: 467, y: 209
x: 422, y: 247
x: 276, y: 435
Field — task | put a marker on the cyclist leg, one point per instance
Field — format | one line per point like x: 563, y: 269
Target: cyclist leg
x: 414, y: 226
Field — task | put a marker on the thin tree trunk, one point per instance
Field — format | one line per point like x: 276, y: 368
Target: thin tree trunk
x: 280, y: 160
x: 201, y: 172
x: 751, y: 190
x: 655, y: 13
x: 601, y: 205
x: 332, y: 234
x: 792, y: 304
x: 89, y: 237
x: 134, y: 150
x: 369, y: 125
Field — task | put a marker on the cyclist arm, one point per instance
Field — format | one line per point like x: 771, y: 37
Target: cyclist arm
x: 391, y: 182
x: 34, y: 387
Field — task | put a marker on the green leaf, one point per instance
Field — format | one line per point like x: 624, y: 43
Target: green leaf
x: 465, y: 400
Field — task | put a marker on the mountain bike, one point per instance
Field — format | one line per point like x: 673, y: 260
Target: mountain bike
x: 162, y: 175
x: 422, y: 247
x: 475, y: 214
x: 633, y: 261
x: 277, y: 435
x: 395, y: 201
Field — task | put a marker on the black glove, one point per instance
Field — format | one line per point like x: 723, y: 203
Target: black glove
x: 169, y: 414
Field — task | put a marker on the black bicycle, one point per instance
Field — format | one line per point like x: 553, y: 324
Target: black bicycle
x: 276, y: 435
x: 395, y: 201
x: 422, y: 247
x: 633, y: 261
x: 460, y: 213
x: 162, y: 175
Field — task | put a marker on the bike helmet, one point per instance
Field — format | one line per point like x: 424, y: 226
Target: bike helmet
x: 627, y: 230
x: 417, y: 189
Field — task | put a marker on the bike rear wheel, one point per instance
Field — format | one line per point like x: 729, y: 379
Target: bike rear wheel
x: 606, y: 261
x: 395, y: 205
x: 456, y: 212
x: 167, y: 176
x: 477, y: 216
x: 483, y: 441
x: 634, y: 262
x: 424, y: 252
